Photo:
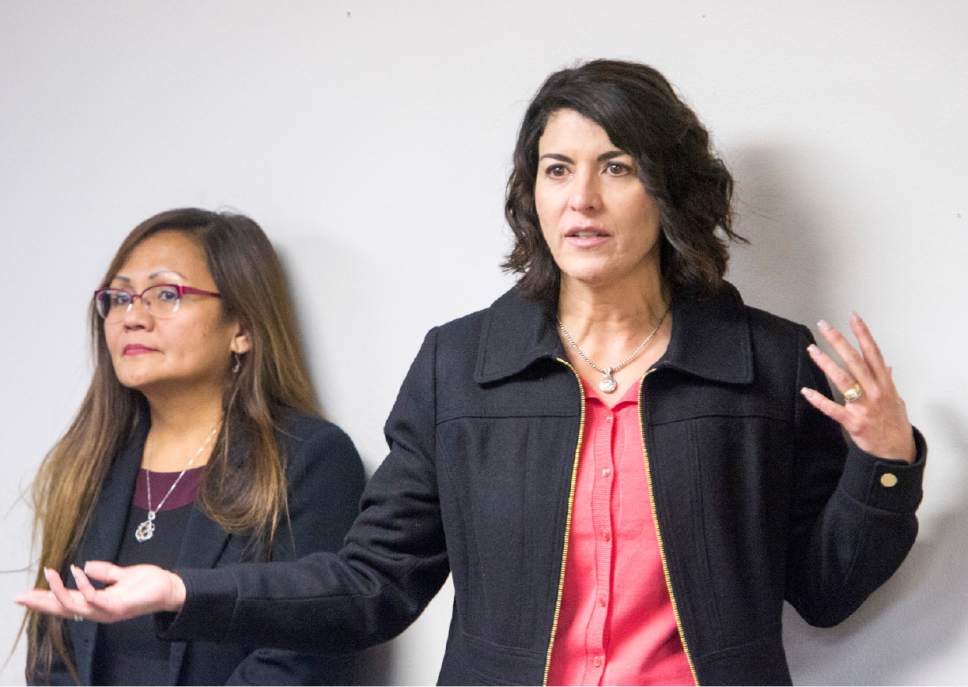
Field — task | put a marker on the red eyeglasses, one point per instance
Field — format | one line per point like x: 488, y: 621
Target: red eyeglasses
x: 161, y: 300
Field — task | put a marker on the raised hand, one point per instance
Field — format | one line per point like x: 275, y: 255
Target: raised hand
x: 132, y: 591
x: 873, y: 414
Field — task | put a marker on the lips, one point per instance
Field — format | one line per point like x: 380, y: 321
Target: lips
x: 137, y: 349
x: 586, y: 232
x: 586, y: 236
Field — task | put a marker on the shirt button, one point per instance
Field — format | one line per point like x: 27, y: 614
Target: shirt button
x: 603, y: 601
x: 606, y: 472
x: 888, y: 479
x: 597, y: 661
x: 606, y: 535
x: 608, y: 418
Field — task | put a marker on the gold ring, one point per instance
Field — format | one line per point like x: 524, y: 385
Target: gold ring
x: 853, y: 393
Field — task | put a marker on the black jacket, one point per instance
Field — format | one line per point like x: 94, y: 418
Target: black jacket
x: 325, y: 477
x: 758, y: 499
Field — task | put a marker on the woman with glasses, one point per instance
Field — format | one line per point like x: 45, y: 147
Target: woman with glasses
x: 625, y: 469
x: 198, y: 444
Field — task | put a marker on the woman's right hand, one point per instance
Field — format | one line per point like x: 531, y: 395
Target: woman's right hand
x: 131, y: 591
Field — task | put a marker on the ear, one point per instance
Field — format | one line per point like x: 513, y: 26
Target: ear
x: 241, y: 341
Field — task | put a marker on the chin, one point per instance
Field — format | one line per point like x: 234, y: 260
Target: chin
x: 591, y: 273
x: 132, y: 378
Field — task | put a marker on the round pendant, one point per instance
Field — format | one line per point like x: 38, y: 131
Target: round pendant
x: 145, y: 531
x: 607, y: 383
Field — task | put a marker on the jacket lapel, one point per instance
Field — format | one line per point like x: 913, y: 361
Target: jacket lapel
x: 202, y: 545
x: 515, y: 333
x: 102, y: 539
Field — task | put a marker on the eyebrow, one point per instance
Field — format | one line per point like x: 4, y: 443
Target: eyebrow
x: 153, y: 275
x: 609, y: 155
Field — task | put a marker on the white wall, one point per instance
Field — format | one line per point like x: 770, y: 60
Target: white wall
x: 372, y: 141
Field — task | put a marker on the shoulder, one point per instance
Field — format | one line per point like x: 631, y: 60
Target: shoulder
x: 778, y: 346
x: 314, y: 445
x: 462, y: 333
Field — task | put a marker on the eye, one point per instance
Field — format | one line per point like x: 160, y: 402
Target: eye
x: 617, y: 168
x: 166, y: 294
x: 119, y: 298
x: 556, y: 171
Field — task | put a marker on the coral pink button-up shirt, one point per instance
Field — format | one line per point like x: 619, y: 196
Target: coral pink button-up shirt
x: 616, y: 625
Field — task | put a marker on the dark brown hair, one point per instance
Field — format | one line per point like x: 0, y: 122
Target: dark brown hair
x: 243, y: 494
x: 640, y: 112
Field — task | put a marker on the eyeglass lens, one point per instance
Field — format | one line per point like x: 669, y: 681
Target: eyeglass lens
x: 161, y: 301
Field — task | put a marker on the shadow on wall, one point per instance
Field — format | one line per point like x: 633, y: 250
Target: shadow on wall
x: 319, y: 316
x: 790, y: 269
x: 918, y: 614
x: 783, y: 269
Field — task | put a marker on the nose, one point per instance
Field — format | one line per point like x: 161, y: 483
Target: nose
x: 585, y: 192
x: 138, y: 316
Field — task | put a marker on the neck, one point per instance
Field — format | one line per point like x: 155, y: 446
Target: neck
x: 181, y: 421
x: 623, y: 326
x: 181, y: 413
x: 624, y: 308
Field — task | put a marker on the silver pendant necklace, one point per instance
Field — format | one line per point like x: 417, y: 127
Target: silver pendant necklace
x: 146, y: 530
x: 607, y: 383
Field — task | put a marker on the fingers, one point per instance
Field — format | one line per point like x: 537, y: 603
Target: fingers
x: 43, y: 601
x: 103, y: 571
x: 856, y: 365
x: 834, y: 411
x: 837, y: 375
x: 72, y: 602
x: 84, y: 585
x: 870, y: 349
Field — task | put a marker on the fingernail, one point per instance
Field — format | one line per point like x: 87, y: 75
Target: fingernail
x: 854, y: 316
x: 805, y: 391
x: 47, y: 572
x: 823, y: 324
x: 812, y: 349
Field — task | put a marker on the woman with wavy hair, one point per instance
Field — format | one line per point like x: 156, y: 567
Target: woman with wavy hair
x: 199, y: 444
x: 625, y: 468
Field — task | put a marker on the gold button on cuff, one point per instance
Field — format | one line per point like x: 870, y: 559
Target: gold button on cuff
x: 888, y: 479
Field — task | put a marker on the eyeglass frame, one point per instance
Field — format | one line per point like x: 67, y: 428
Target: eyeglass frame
x: 181, y: 289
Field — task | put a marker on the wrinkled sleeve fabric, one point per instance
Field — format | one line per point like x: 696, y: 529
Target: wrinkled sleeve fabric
x: 393, y: 562
x: 325, y: 478
x: 851, y: 527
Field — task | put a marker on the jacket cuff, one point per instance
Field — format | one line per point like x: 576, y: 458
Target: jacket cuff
x: 209, y: 607
x: 890, y: 485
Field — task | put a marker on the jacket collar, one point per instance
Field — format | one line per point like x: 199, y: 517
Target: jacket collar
x: 710, y: 338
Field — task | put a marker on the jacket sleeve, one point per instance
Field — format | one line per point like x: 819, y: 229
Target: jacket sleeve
x: 850, y: 525
x: 325, y: 478
x: 393, y: 562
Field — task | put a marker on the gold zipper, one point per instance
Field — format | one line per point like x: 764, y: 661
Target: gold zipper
x: 571, y: 504
x: 658, y: 534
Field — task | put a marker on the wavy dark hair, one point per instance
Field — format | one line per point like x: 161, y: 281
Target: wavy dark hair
x: 642, y: 115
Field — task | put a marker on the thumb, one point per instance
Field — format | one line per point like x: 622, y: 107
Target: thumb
x: 103, y: 571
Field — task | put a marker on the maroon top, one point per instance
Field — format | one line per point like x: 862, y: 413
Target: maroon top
x: 161, y: 482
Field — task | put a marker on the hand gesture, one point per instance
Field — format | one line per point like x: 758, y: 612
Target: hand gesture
x: 132, y: 591
x: 873, y: 413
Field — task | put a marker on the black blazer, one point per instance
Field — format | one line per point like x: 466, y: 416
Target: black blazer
x: 325, y: 477
x: 757, y: 498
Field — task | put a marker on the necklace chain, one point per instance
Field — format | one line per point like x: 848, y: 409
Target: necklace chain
x: 146, y: 530
x: 607, y: 383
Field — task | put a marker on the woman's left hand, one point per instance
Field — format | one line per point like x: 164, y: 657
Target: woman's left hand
x: 874, y: 415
